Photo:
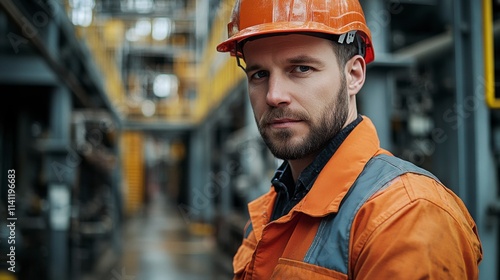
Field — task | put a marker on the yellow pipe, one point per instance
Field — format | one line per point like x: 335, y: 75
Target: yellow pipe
x: 489, y: 56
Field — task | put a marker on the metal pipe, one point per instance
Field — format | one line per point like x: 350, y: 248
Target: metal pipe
x: 438, y: 45
x: 426, y: 49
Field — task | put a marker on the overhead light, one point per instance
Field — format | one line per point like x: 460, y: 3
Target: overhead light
x: 81, y: 16
x: 143, y: 27
x: 141, y: 6
x: 81, y: 12
x: 162, y: 27
x: 148, y: 108
x: 131, y: 35
x: 76, y: 4
x: 165, y: 85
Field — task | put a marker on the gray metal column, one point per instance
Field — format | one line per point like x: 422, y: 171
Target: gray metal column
x: 476, y: 173
x: 224, y: 178
x: 202, y: 14
x: 61, y: 163
x: 200, y: 208
x: 375, y: 97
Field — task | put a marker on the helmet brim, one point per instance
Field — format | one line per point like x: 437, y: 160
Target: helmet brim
x: 230, y: 45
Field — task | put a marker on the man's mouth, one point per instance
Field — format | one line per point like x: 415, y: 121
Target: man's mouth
x: 283, y: 122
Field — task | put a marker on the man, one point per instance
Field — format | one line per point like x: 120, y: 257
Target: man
x: 340, y: 207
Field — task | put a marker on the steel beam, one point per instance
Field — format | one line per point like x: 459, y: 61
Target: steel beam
x: 56, y: 30
x: 26, y: 70
x: 26, y: 25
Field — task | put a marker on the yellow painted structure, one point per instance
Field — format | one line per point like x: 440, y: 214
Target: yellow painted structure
x: 218, y: 72
x: 103, y: 38
x: 132, y: 151
x: 489, y: 55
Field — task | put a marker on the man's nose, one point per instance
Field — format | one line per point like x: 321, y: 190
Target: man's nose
x: 277, y: 93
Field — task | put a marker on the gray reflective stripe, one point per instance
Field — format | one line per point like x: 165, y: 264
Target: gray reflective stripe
x: 248, y: 230
x: 330, y: 247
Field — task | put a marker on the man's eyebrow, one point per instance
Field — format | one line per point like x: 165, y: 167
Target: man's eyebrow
x: 252, y: 67
x: 305, y: 59
x: 293, y: 60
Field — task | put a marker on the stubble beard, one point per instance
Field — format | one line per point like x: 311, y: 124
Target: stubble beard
x: 320, y: 133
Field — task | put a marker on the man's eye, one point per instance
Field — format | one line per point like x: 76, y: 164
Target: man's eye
x: 301, y: 69
x: 260, y: 74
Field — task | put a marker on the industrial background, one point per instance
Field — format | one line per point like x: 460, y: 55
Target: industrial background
x: 128, y: 148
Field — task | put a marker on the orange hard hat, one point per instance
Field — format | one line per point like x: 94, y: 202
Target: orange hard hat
x: 259, y: 17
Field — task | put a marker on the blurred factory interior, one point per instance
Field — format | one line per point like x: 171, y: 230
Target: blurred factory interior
x: 133, y: 146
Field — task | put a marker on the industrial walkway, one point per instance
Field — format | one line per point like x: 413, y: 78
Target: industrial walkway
x: 158, y: 246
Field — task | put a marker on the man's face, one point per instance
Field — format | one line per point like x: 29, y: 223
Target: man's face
x: 298, y: 93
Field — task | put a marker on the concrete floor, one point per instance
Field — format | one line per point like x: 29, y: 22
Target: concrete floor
x: 157, y: 245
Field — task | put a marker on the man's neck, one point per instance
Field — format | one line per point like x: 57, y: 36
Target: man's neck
x: 298, y: 165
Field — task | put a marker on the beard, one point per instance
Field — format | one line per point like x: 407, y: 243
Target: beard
x: 321, y: 131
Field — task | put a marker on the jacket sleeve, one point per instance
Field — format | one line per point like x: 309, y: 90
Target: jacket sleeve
x: 424, y: 233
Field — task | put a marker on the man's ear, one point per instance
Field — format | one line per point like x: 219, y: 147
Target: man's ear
x: 355, y: 74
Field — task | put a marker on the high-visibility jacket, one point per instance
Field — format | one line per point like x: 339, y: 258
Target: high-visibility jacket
x: 367, y: 216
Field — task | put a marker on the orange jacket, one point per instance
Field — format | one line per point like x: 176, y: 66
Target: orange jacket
x: 415, y: 228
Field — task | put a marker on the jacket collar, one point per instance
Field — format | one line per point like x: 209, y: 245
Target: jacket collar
x: 341, y: 171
